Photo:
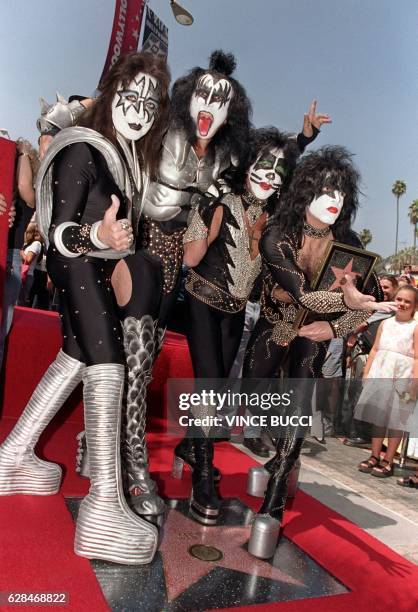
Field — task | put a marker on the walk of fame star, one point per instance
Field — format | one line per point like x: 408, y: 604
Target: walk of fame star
x: 182, y: 570
x: 340, y: 274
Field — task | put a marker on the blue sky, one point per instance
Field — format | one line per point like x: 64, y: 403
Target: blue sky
x: 359, y: 58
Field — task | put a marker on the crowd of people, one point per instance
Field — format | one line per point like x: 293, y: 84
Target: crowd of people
x: 118, y: 218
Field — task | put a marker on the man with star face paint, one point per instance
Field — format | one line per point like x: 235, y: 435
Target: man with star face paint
x: 134, y: 108
x: 318, y: 207
x: 87, y: 195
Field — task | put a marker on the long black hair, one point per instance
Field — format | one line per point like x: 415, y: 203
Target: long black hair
x: 234, y: 134
x: 332, y: 165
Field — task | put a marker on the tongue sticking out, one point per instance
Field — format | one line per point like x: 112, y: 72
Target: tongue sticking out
x: 204, y: 122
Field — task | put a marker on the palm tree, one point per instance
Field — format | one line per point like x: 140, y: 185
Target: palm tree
x: 413, y: 217
x: 402, y: 257
x: 365, y: 237
x: 398, y: 189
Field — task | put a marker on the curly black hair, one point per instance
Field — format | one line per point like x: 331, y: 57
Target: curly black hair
x: 330, y: 165
x: 262, y: 140
x: 234, y: 134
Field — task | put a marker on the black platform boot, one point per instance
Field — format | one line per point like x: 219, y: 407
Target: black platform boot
x: 205, y: 504
x: 185, y: 453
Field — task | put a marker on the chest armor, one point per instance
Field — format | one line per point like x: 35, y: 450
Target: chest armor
x: 180, y: 173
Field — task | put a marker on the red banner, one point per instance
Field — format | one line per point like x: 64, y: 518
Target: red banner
x: 125, y: 31
x: 7, y: 170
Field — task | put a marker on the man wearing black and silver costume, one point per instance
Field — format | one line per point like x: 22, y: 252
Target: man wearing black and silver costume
x: 86, y: 168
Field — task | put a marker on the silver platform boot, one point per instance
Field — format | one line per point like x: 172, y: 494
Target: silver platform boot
x: 140, y: 337
x: 106, y: 527
x: 82, y: 456
x: 21, y: 471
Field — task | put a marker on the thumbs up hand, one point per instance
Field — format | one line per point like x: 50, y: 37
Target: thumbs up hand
x: 117, y: 234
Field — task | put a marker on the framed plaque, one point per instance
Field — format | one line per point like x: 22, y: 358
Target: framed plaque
x: 339, y: 260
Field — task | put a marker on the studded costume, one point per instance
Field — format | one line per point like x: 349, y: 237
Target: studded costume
x: 287, y: 276
x: 218, y: 289
x: 219, y: 285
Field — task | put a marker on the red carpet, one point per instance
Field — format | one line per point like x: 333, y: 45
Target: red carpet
x: 37, y: 533
x: 376, y: 575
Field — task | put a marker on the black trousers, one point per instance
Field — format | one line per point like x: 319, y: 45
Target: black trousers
x: 264, y: 359
x: 89, y: 319
x: 214, y: 338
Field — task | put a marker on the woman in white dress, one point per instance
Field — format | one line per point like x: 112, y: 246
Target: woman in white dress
x: 391, y: 389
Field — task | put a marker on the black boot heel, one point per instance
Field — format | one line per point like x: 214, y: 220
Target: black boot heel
x: 185, y: 452
x: 204, y: 503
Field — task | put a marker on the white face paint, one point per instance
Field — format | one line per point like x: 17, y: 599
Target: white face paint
x: 327, y: 207
x: 134, y: 108
x: 267, y: 173
x: 209, y: 105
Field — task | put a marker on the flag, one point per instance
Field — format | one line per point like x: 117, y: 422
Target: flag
x: 155, y: 38
x: 125, y: 32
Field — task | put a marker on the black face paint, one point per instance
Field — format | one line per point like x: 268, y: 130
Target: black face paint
x: 215, y: 93
x: 268, y: 162
x: 147, y: 95
x: 332, y: 181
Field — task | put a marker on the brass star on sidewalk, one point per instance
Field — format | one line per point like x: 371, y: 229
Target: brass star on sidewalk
x: 182, y: 570
x: 340, y: 274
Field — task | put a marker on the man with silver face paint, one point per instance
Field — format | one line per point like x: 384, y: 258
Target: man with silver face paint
x: 196, y: 150
x: 87, y: 197
x: 134, y: 108
x: 318, y: 207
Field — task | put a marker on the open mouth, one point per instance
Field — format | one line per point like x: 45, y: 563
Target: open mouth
x: 265, y: 186
x: 333, y: 210
x: 135, y: 126
x: 204, y: 122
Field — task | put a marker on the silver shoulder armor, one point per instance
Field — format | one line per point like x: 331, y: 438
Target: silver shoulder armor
x: 44, y: 190
x: 58, y: 116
